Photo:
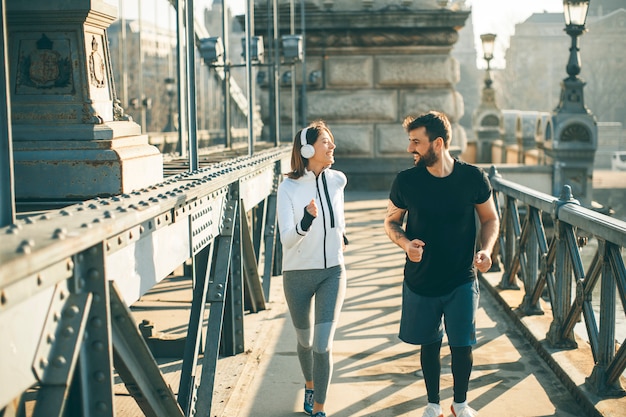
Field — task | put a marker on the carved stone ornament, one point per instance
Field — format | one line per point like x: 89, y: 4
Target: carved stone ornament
x: 90, y: 115
x: 388, y: 38
x: 118, y: 112
x: 97, y: 69
x: 576, y: 132
x: 42, y: 68
x: 491, y: 120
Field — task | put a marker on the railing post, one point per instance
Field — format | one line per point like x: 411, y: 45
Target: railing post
x: 563, y: 281
x: 599, y: 378
x: 497, y: 251
x: 512, y: 233
x: 531, y: 250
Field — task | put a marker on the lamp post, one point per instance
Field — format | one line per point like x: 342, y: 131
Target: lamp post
x: 488, y: 41
x: 572, y: 145
x: 575, y: 13
x: 487, y: 117
x: 170, y: 90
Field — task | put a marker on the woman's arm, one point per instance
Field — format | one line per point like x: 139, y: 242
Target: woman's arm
x: 289, y: 218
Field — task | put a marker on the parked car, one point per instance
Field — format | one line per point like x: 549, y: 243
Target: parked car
x: 618, y: 161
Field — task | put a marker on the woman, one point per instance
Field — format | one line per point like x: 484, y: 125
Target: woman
x: 312, y: 232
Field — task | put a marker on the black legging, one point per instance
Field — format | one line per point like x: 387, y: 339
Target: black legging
x: 462, y: 360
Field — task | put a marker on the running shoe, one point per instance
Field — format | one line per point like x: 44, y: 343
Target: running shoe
x: 433, y: 410
x: 308, y: 400
x: 466, y: 411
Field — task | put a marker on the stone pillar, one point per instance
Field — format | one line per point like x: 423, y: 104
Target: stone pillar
x: 571, y: 147
x: 368, y: 65
x: 527, y: 134
x: 488, y: 125
x: 72, y: 140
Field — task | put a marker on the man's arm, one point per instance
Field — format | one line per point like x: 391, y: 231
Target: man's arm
x: 393, y: 227
x: 489, y: 229
x: 393, y: 224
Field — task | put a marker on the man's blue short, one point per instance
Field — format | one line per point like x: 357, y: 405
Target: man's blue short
x: 423, y: 318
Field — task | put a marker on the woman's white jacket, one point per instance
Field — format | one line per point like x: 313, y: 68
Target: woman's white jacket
x: 322, y: 245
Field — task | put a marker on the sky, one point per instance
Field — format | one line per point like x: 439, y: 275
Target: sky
x: 489, y: 16
x: 501, y: 16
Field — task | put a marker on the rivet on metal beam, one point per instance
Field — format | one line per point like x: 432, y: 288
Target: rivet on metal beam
x: 26, y: 246
x: 101, y: 406
x: 68, y: 331
x: 59, y: 233
x: 93, y: 274
x: 59, y: 362
x: 72, y: 311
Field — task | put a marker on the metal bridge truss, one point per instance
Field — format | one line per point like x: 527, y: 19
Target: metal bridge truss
x: 554, y: 265
x: 68, y: 277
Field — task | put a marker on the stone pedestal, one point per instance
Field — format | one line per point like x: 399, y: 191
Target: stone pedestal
x: 71, y: 139
x: 368, y: 65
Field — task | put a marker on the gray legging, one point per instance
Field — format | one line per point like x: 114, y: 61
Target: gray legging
x: 315, y: 347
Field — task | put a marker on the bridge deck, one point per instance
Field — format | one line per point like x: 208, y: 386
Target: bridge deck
x: 375, y: 374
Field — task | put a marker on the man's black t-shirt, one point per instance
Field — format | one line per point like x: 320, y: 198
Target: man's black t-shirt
x: 441, y: 214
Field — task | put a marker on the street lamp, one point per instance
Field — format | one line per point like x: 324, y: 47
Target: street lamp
x: 571, y: 144
x: 575, y: 13
x: 489, y: 41
x: 572, y: 99
x: 487, y: 117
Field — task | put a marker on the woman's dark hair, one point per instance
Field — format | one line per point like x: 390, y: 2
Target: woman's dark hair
x: 298, y: 162
x: 436, y: 123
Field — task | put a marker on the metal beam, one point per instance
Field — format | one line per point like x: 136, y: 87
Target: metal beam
x: 7, y: 191
x: 216, y: 296
x: 135, y: 364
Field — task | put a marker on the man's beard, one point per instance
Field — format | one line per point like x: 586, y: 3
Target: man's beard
x: 429, y: 159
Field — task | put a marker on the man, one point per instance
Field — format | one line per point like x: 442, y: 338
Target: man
x: 440, y: 196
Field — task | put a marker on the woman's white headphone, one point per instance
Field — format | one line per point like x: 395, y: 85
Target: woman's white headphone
x: 307, y: 151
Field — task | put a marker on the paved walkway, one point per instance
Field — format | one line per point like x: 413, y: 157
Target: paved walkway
x: 375, y: 374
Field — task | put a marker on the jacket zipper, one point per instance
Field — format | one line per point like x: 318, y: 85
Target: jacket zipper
x: 323, y: 217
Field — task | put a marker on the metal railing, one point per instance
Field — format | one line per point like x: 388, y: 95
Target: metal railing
x: 68, y: 277
x: 540, y: 244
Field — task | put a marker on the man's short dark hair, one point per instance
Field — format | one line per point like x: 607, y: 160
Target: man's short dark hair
x: 436, y: 125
